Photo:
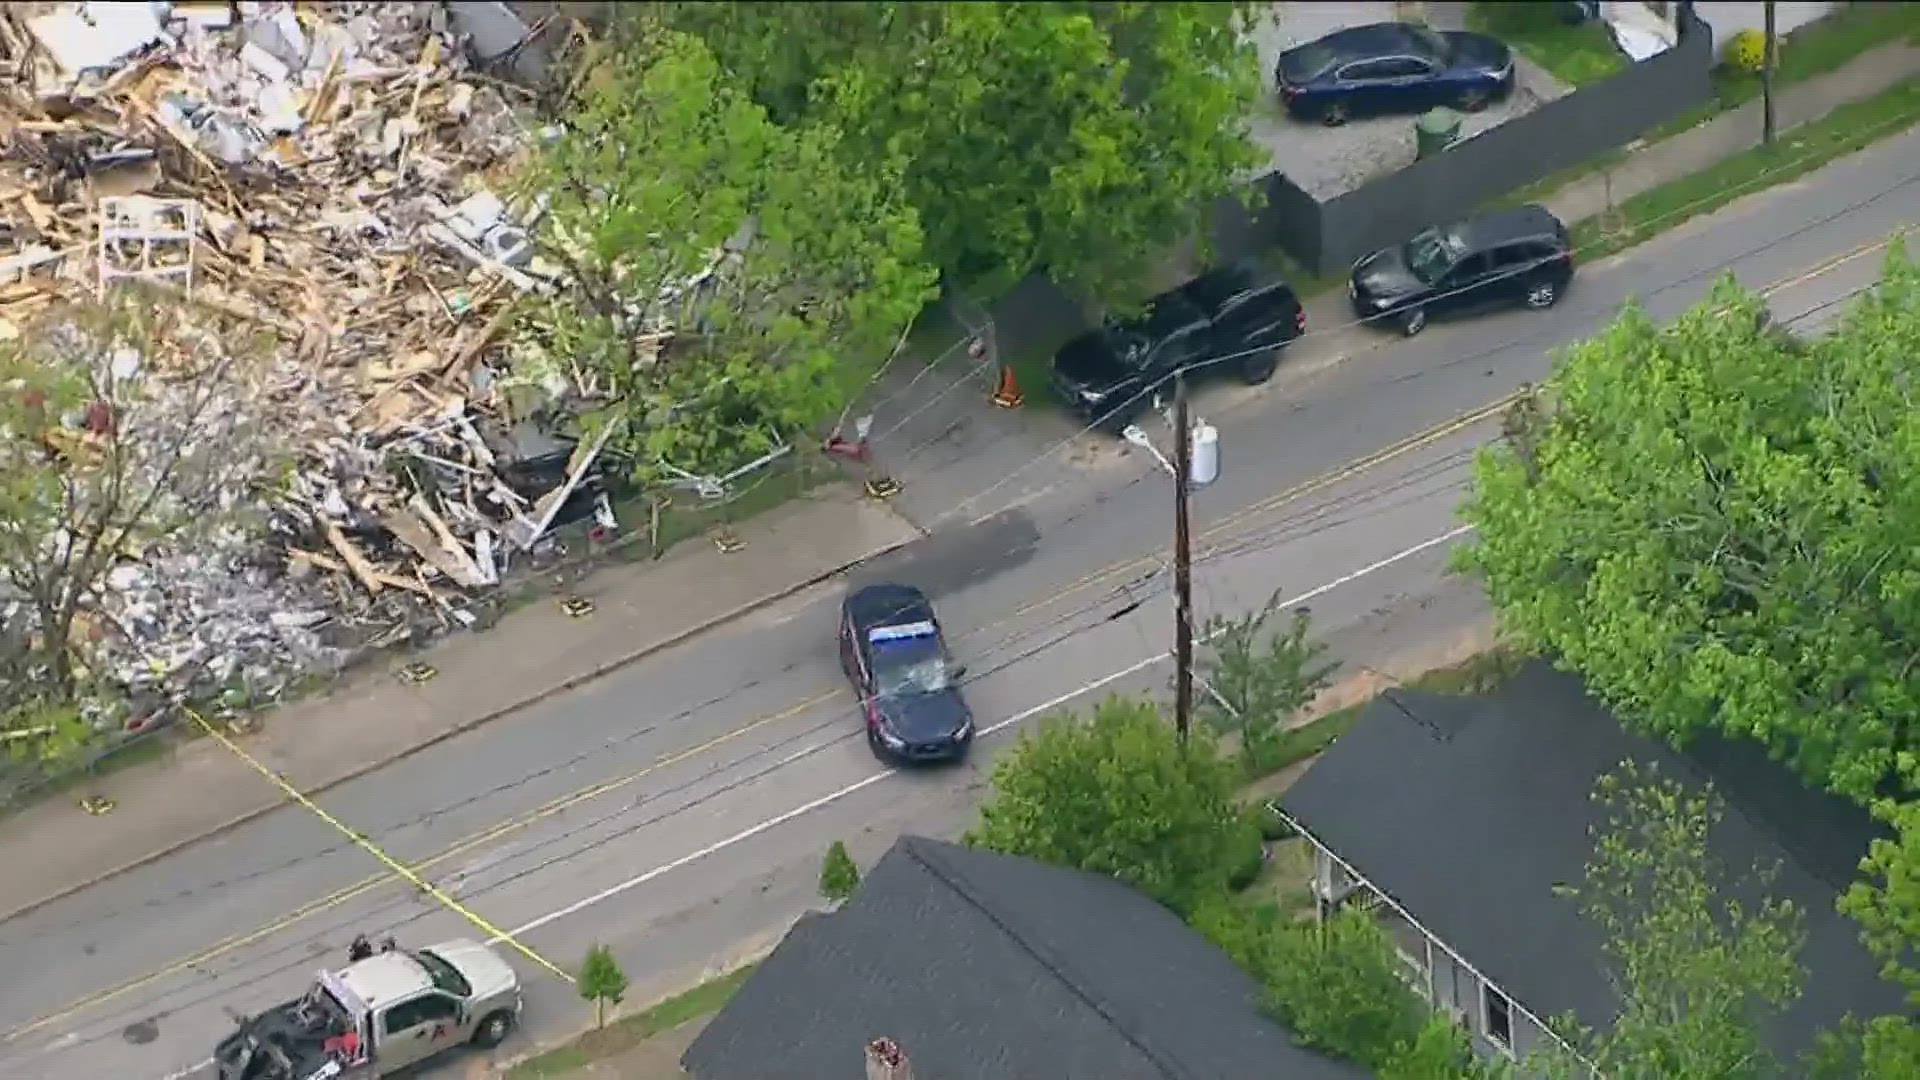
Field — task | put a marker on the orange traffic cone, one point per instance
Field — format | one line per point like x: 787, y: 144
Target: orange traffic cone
x: 1007, y: 395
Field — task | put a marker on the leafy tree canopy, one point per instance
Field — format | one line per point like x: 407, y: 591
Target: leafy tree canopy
x: 1118, y: 795
x: 1258, y: 676
x: 1700, y: 973
x: 733, y: 271
x: 1714, y: 525
x: 1074, y: 138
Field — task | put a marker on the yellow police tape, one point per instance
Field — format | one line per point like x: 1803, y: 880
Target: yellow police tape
x: 373, y: 849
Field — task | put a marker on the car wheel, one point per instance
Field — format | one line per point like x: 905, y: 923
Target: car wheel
x: 1473, y: 101
x: 1542, y: 295
x: 493, y: 1030
x: 1413, y: 320
x: 1333, y: 114
x: 1259, y: 367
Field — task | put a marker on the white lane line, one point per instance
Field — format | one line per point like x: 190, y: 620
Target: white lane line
x: 808, y: 807
x: 859, y: 785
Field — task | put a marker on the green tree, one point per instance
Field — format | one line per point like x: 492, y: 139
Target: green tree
x: 1885, y: 1048
x: 1338, y: 986
x: 1700, y: 974
x: 1077, y: 139
x: 123, y: 424
x: 1118, y: 795
x: 1441, y: 1050
x: 839, y: 877
x: 728, y: 274
x: 1887, y: 906
x: 1261, y: 675
x: 601, y: 981
x: 1714, y: 525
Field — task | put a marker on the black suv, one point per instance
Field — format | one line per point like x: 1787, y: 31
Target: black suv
x: 1494, y: 258
x: 1227, y: 319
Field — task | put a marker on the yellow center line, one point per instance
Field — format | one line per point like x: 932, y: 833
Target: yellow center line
x: 400, y: 871
x: 361, y: 841
x: 375, y: 881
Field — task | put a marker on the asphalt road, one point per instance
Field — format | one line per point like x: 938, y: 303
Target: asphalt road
x: 722, y: 770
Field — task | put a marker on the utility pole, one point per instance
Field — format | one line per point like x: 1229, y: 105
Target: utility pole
x: 1766, y: 80
x: 1182, y: 565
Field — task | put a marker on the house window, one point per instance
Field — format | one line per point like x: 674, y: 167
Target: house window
x: 1499, y: 1017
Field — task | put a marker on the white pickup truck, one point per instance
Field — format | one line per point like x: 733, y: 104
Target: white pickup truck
x: 378, y: 1015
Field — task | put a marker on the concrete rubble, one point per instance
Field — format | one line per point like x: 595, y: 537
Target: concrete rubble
x: 340, y: 176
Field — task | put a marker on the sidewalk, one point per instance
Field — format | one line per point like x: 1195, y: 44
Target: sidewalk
x: 1735, y: 131
x: 536, y: 651
x: 373, y: 717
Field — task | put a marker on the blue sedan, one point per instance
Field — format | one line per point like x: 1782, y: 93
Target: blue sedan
x: 1392, y: 68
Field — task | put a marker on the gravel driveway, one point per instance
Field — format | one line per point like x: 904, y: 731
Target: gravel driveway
x: 1325, y: 162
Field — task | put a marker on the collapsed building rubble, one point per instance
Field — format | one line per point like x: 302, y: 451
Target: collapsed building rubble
x: 340, y: 177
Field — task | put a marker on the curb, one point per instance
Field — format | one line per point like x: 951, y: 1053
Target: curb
x: 565, y: 685
x: 719, y: 971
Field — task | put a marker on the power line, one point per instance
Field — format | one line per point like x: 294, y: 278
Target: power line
x: 466, y: 894
x: 1241, y: 547
x: 1310, y: 513
x: 1221, y: 359
x: 1752, y: 183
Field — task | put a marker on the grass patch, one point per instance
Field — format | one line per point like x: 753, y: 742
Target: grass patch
x: 1575, y: 55
x: 1804, y: 149
x: 1297, y: 744
x: 1481, y: 673
x: 630, y: 1031
x: 1812, y: 50
x: 1286, y: 880
x: 139, y: 750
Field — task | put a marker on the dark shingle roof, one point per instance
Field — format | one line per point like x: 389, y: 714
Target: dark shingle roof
x: 988, y: 967
x: 1469, y: 812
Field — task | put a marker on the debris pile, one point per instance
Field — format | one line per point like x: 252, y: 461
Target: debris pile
x: 341, y: 179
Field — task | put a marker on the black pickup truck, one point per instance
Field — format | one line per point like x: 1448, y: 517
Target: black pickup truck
x: 1231, y: 319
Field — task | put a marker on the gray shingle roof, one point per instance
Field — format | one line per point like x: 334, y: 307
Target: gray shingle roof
x: 1469, y: 812
x: 988, y: 967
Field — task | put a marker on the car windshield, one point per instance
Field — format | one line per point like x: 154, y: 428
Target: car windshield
x: 444, y: 975
x: 914, y: 664
x: 1432, y: 253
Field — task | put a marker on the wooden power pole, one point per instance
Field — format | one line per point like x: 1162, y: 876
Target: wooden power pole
x: 1766, y: 79
x: 1182, y: 565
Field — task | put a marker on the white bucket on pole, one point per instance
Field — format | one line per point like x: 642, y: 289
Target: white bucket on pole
x: 1203, y: 459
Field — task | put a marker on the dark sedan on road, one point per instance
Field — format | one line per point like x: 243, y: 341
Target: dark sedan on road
x: 1493, y: 259
x: 894, y: 653
x: 1392, y: 68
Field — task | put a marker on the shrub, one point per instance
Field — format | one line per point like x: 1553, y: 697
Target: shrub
x: 1248, y: 852
x: 1745, y: 52
x: 1273, y: 825
x: 601, y: 981
x: 1119, y: 795
x: 839, y: 877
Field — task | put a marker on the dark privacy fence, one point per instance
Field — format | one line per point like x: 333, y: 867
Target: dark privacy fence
x: 1560, y: 134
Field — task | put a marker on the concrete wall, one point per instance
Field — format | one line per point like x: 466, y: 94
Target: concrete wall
x: 1560, y: 134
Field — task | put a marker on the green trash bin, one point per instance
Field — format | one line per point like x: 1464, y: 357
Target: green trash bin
x: 1435, y: 130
